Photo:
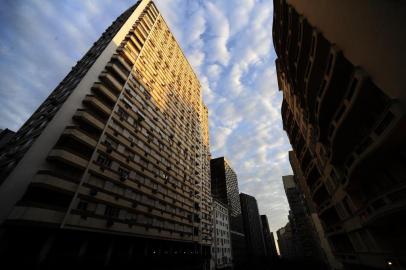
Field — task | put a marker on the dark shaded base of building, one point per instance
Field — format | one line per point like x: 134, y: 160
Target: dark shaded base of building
x: 49, y: 248
x: 299, y: 264
x: 276, y: 264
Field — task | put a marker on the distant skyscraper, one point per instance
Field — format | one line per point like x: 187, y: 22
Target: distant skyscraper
x: 269, y: 239
x: 252, y: 227
x: 113, y: 168
x: 224, y: 186
x: 341, y: 67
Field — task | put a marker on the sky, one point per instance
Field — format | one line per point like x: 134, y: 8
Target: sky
x: 227, y: 42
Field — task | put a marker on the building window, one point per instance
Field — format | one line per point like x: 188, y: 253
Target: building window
x: 103, y: 160
x: 111, y: 211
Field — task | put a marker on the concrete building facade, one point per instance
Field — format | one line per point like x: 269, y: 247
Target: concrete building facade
x: 113, y: 168
x: 341, y: 68
x: 221, y: 246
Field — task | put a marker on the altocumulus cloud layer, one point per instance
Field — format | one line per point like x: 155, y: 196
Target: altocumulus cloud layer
x: 229, y: 44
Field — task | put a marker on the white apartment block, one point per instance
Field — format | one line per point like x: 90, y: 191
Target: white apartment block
x: 221, y: 245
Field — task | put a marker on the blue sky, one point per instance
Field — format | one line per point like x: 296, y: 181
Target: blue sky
x: 228, y: 43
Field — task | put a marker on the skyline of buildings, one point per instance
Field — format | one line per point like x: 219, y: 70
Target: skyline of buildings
x: 70, y: 53
x: 114, y: 167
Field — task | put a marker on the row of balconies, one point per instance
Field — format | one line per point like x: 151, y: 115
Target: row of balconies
x: 131, y: 96
x: 140, y: 152
x: 93, y: 194
x: 154, y: 192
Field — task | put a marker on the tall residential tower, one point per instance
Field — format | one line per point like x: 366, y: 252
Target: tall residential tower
x: 113, y: 168
x: 341, y: 66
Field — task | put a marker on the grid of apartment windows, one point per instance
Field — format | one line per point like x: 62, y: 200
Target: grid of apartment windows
x: 138, y: 149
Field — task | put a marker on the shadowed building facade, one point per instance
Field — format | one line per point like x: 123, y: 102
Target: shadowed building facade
x: 224, y: 186
x: 252, y: 228
x: 113, y: 168
x: 269, y: 240
x: 304, y: 232
x: 341, y: 67
x: 287, y: 248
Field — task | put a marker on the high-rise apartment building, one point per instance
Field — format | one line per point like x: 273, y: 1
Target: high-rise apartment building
x: 113, y: 168
x: 341, y: 68
x: 269, y: 240
x: 221, y: 241
x: 252, y: 227
x: 224, y: 187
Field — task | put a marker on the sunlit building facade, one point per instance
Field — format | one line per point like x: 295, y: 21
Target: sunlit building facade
x: 114, y: 167
x: 340, y: 66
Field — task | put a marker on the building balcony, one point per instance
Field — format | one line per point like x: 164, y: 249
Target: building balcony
x: 54, y: 180
x: 129, y: 56
x: 94, y: 102
x: 292, y: 41
x: 302, y: 57
x: 102, y: 90
x: 330, y: 218
x: 312, y: 175
x: 386, y: 133
x: 63, y: 155
x: 361, y: 107
x: 111, y: 82
x: 35, y: 214
x: 122, y: 62
x: 119, y: 70
x: 80, y: 135
x: 89, y: 118
x: 320, y: 194
x: 337, y: 76
x: 315, y: 69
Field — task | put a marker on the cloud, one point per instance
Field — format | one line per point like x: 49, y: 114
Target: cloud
x: 227, y: 42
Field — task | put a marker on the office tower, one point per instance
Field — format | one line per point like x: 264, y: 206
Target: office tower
x: 113, y: 168
x: 269, y: 240
x: 341, y: 68
x: 224, y: 187
x: 252, y: 227
x: 303, y: 230
x: 221, y: 241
